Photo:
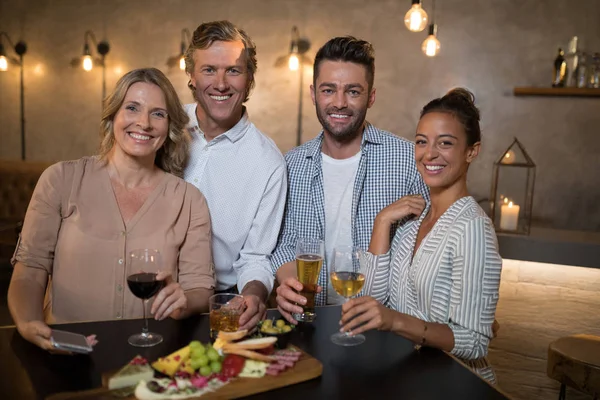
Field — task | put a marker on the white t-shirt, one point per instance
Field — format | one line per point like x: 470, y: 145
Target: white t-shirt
x: 338, y: 186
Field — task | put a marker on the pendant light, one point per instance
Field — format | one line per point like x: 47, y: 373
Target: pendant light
x: 416, y: 18
x: 431, y: 45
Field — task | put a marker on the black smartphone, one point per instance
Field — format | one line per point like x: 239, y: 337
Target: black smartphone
x: 69, y: 341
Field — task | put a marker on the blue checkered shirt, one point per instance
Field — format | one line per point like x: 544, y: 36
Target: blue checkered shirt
x: 386, y: 172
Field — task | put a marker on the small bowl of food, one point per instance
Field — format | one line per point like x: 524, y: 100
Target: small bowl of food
x: 279, y: 329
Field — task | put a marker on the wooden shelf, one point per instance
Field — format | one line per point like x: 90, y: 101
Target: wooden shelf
x: 551, y: 91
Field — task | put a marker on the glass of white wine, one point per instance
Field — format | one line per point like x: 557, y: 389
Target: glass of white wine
x: 347, y: 278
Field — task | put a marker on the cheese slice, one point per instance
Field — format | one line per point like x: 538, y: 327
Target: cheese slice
x: 187, y: 367
x: 130, y: 375
x: 170, y: 364
x: 254, y: 369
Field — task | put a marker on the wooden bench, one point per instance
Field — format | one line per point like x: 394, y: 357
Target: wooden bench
x: 574, y: 361
x: 17, y: 181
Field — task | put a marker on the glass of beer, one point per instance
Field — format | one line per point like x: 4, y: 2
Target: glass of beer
x: 225, y: 310
x: 309, y: 260
x: 347, y: 278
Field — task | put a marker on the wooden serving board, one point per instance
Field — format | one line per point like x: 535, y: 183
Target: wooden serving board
x: 305, y: 369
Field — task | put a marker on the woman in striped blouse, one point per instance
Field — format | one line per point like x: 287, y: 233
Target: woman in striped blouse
x: 437, y: 285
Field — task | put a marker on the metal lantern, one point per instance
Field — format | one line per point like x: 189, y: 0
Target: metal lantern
x: 512, y: 190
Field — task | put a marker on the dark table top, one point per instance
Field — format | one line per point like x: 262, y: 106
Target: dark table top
x: 385, y: 366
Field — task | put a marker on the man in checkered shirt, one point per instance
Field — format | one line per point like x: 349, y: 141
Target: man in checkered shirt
x: 339, y: 181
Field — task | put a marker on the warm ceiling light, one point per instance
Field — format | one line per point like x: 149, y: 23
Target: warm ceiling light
x: 294, y: 62
x: 298, y: 47
x: 87, y: 63
x: 3, y: 63
x: 20, y: 49
x: 179, y: 60
x: 431, y: 45
x: 416, y: 18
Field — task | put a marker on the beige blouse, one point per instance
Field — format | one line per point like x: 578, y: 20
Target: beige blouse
x: 73, y: 229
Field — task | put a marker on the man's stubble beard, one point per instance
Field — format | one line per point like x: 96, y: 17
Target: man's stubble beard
x: 350, y: 132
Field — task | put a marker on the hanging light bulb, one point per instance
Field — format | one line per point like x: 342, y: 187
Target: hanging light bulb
x: 416, y: 18
x: 3, y: 63
x: 182, y: 63
x: 294, y: 62
x: 431, y: 46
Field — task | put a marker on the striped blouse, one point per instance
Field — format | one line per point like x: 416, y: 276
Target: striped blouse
x: 453, y: 279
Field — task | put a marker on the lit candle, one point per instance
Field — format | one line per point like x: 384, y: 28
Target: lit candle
x: 509, y: 216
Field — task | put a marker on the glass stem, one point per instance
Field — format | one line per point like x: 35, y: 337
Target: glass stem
x: 345, y: 301
x: 145, y: 328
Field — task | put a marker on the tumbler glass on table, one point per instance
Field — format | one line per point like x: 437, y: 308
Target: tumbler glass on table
x: 143, y: 266
x: 225, y: 310
x: 347, y: 278
x: 309, y: 261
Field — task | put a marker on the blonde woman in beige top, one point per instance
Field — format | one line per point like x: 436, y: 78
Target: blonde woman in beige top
x: 86, y: 215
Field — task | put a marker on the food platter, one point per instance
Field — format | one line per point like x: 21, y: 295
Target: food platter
x: 264, y: 368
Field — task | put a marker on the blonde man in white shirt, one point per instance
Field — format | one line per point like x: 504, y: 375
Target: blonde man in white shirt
x: 239, y: 170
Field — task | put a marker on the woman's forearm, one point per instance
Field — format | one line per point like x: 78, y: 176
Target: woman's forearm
x: 26, y: 294
x: 414, y: 329
x: 380, y: 238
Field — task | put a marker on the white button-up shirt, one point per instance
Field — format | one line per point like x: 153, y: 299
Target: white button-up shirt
x: 243, y: 176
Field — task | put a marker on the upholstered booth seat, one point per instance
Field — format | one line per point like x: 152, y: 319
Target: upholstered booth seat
x: 17, y: 181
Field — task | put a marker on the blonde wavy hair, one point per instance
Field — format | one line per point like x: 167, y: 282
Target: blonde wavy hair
x: 172, y: 156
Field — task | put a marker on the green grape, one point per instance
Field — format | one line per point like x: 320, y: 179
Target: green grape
x: 203, y: 360
x: 205, y: 371
x: 195, y: 364
x: 195, y: 344
x: 196, y: 352
x: 212, y: 354
x: 215, y: 366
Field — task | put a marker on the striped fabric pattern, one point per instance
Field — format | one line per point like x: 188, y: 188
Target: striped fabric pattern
x: 386, y: 172
x: 454, y: 278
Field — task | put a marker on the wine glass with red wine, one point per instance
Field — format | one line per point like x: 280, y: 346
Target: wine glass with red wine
x: 142, y: 269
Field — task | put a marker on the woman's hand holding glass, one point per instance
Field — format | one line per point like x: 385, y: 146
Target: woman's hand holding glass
x: 365, y: 313
x: 347, y: 278
x: 171, y: 300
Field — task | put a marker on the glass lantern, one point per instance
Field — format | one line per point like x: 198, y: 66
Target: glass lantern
x: 512, y: 190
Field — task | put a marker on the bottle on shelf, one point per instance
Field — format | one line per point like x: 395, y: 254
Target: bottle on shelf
x: 571, y: 60
x: 582, y: 70
x: 594, y: 73
x: 560, y: 69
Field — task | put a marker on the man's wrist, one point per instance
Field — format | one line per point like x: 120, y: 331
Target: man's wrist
x: 285, y: 271
x: 256, y: 288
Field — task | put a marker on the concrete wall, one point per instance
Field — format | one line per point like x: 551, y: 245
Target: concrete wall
x: 489, y: 46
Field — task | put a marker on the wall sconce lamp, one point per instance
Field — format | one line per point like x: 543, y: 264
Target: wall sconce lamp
x: 416, y: 18
x: 295, y: 60
x: 298, y: 47
x: 179, y: 60
x: 5, y: 61
x: 87, y: 62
